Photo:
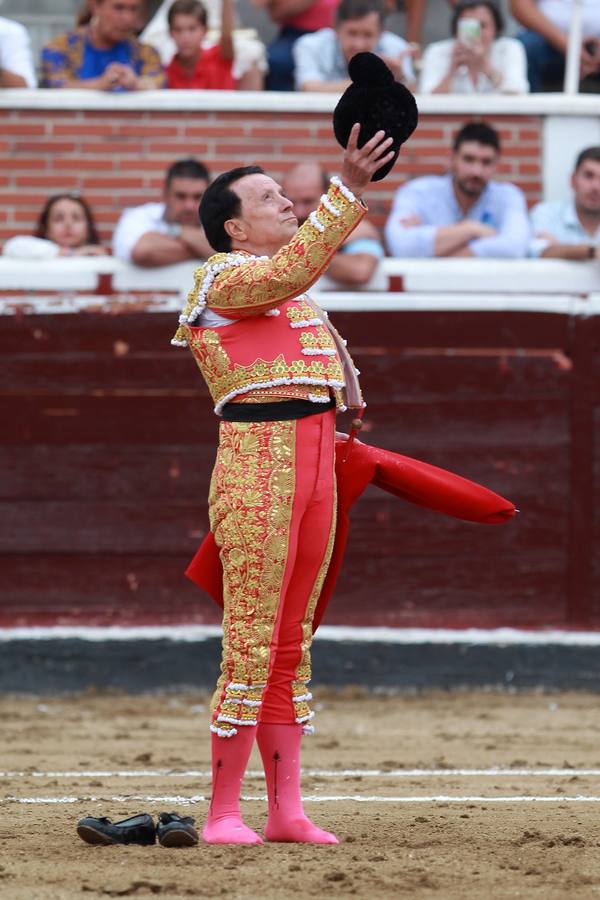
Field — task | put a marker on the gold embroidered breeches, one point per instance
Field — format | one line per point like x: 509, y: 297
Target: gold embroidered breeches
x: 272, y: 512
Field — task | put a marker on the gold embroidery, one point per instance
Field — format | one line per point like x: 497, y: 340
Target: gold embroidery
x: 250, y: 509
x: 264, y: 283
x: 226, y: 380
x: 300, y: 312
x: 317, y: 340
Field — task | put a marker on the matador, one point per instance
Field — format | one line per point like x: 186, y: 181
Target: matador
x: 277, y: 371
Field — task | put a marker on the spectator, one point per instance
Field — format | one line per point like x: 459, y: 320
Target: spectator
x: 65, y: 227
x: 322, y: 58
x: 195, y: 66
x: 159, y: 234
x: 249, y: 54
x: 570, y: 229
x: 295, y: 18
x: 545, y: 37
x: 16, y: 61
x: 463, y: 213
x: 476, y: 60
x: 104, y: 54
x: 356, y: 264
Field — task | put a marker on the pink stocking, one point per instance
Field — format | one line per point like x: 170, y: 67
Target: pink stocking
x: 229, y: 760
x: 279, y: 747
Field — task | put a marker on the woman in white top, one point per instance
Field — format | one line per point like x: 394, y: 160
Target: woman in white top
x: 65, y: 227
x: 476, y: 60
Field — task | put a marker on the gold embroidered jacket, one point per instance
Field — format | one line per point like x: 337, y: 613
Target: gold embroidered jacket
x: 257, y: 357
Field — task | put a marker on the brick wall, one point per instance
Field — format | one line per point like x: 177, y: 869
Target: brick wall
x: 117, y: 159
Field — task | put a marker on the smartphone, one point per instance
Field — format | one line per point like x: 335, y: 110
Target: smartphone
x: 468, y: 30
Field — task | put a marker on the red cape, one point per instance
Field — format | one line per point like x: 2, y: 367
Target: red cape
x: 415, y: 481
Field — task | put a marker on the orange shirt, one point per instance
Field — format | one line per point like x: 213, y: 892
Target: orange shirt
x: 212, y: 73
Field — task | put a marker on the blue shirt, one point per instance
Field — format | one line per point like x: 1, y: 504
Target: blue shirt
x: 432, y: 199
x: 95, y: 62
x: 560, y: 219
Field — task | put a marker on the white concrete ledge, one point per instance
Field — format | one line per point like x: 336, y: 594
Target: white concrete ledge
x: 282, y: 102
x: 426, y: 276
x: 519, y: 276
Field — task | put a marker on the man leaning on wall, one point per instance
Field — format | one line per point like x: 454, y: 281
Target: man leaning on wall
x: 570, y: 228
x: 167, y: 232
x: 465, y: 212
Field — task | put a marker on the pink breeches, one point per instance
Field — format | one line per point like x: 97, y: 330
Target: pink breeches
x: 272, y: 511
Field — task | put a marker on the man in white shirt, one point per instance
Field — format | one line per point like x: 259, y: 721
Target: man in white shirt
x: 570, y: 229
x: 321, y: 59
x: 16, y: 61
x: 160, y: 234
x: 545, y: 37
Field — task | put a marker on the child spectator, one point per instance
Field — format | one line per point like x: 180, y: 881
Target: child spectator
x: 477, y: 59
x: 249, y: 53
x: 65, y: 227
x: 104, y: 54
x: 195, y: 66
x: 16, y: 62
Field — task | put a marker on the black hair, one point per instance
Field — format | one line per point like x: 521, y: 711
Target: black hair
x: 358, y: 9
x: 479, y: 132
x: 591, y: 153
x: 187, y: 168
x: 464, y: 5
x: 41, y: 230
x: 188, y: 8
x: 220, y: 203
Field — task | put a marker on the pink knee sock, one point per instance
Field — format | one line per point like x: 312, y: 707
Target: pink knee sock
x: 229, y: 760
x: 280, y: 750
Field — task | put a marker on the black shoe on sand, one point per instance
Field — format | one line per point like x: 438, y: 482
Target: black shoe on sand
x: 176, y: 831
x: 135, y: 830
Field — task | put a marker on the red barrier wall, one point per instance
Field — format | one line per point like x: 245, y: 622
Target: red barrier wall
x: 108, y: 441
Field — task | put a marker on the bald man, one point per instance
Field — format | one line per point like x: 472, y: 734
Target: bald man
x: 355, y: 266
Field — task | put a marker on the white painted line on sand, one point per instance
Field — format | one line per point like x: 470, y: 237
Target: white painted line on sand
x: 319, y: 773
x: 342, y: 633
x: 333, y: 798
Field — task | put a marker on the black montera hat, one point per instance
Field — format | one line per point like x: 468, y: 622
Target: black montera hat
x: 378, y: 102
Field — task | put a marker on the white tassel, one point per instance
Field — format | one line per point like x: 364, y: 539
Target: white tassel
x: 329, y: 206
x: 344, y: 191
x: 316, y: 351
x: 314, y: 221
x: 306, y: 323
x: 222, y: 732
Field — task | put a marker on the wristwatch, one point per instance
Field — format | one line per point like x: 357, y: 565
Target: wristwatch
x: 591, y: 251
x: 174, y: 229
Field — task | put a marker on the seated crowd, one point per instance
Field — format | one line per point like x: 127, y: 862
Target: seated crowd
x: 463, y: 212
x: 189, y: 44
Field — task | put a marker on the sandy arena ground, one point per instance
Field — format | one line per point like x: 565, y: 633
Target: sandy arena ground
x: 474, y: 847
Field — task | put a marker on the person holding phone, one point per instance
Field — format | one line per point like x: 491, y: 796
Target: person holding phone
x: 477, y: 59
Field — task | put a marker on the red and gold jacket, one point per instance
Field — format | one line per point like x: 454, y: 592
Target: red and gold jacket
x: 280, y: 344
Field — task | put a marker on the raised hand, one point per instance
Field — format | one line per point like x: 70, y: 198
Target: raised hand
x: 360, y: 163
